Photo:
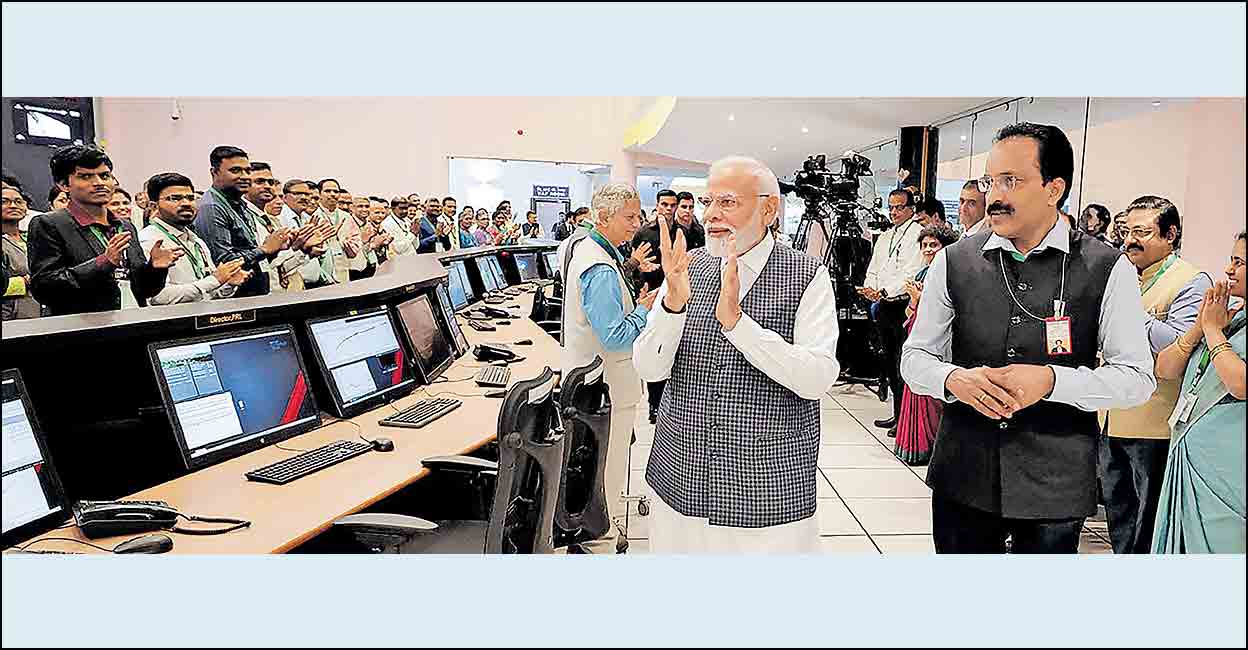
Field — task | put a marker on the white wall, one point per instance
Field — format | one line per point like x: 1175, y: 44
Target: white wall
x: 483, y: 183
x: 378, y: 145
x: 1190, y: 151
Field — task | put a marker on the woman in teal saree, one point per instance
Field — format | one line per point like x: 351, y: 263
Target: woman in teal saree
x: 1202, y: 500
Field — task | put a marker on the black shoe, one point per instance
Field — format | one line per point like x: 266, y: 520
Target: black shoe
x: 890, y: 423
x: 892, y: 433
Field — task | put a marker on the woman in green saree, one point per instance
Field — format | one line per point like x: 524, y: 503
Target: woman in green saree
x: 1202, y: 499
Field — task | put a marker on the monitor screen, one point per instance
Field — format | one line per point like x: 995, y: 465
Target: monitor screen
x: 227, y: 395
x: 448, y: 313
x: 526, y: 263
x: 552, y: 263
x: 486, y: 271
x: 497, y: 268
x: 33, y: 500
x: 457, y: 282
x: 428, y: 342
x: 362, y: 361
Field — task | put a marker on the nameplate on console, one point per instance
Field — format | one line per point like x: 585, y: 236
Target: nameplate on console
x: 222, y: 320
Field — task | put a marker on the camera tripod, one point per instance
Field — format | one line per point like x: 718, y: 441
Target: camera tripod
x: 845, y: 253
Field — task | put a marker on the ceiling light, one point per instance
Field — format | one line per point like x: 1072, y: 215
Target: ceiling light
x: 964, y: 138
x: 1156, y: 103
x: 773, y: 148
x: 805, y: 130
x: 731, y: 117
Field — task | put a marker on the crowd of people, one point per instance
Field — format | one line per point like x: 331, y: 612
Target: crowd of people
x: 1038, y: 364
x: 101, y: 247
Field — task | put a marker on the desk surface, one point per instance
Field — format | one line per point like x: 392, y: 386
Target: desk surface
x: 285, y: 516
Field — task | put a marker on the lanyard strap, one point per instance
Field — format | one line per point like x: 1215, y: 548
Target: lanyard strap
x: 196, y: 261
x: 1061, y: 300
x: 1206, y: 358
x: 894, y: 246
x: 1160, y: 272
x: 95, y: 229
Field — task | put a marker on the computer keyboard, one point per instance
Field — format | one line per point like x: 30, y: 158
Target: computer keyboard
x: 494, y: 376
x: 480, y: 326
x: 421, y: 413
x: 308, y: 462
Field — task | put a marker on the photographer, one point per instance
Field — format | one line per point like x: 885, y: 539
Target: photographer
x: 896, y: 258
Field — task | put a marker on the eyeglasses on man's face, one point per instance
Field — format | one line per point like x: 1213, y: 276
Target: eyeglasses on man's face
x: 1006, y: 182
x: 725, y: 202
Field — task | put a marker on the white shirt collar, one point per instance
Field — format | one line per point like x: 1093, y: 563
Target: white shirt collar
x: 977, y: 228
x: 756, y: 258
x: 1058, y: 237
x: 186, y: 235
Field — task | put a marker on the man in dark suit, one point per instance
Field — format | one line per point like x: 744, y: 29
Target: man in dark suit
x: 82, y: 256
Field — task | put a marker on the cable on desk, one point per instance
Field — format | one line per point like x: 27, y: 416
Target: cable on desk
x: 296, y: 451
x: 64, y: 539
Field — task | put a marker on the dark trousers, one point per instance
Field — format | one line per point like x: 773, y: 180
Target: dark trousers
x: 1132, y: 471
x: 960, y: 529
x: 891, y: 324
x: 654, y: 390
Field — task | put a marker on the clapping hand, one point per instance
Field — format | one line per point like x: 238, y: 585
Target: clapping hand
x: 117, y: 245
x: 728, y: 309
x: 675, y: 261
x: 231, y: 273
x: 645, y: 261
x: 1215, y: 313
x: 163, y: 258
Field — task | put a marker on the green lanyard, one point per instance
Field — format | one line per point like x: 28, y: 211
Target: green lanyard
x: 1160, y: 272
x: 95, y: 229
x: 196, y: 261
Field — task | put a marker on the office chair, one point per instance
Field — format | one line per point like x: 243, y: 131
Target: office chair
x: 547, y: 313
x: 585, y: 403
x: 524, y: 484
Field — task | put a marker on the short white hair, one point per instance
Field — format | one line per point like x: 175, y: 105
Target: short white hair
x: 610, y: 198
x: 765, y: 179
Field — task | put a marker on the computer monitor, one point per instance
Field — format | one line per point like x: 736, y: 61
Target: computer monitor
x: 430, y: 347
x: 361, y: 360
x: 448, y: 314
x: 233, y: 393
x: 497, y: 268
x: 459, y: 288
x: 552, y: 263
x: 486, y: 271
x: 526, y: 264
x: 34, y: 501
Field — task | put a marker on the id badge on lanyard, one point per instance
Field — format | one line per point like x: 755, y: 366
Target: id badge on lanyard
x: 1057, y: 332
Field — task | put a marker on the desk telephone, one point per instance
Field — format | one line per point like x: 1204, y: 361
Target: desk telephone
x: 108, y: 518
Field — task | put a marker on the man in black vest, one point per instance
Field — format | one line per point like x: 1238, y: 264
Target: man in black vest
x: 1016, y: 452
x: 746, y: 332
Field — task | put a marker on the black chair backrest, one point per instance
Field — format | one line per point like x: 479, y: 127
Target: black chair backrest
x: 540, y: 306
x: 585, y: 402
x: 530, y: 462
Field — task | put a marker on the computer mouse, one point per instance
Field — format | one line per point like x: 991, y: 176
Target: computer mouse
x: 524, y: 342
x: 502, y: 322
x: 497, y: 393
x: 383, y: 444
x: 155, y: 543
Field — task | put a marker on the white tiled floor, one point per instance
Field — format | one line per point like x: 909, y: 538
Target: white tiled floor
x: 869, y: 502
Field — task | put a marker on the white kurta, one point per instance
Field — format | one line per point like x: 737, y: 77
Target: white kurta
x: 808, y: 367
